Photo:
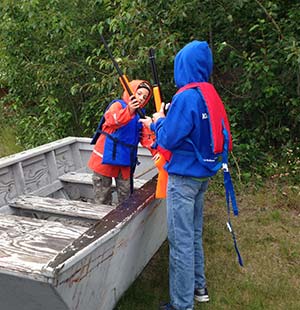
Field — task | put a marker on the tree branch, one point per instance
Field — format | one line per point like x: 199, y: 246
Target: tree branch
x: 271, y: 19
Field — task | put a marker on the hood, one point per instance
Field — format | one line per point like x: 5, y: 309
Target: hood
x: 134, y: 84
x: 193, y: 63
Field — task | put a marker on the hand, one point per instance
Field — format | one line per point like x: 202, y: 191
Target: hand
x: 166, y: 106
x: 160, y: 113
x: 146, y: 121
x: 133, y: 104
x: 157, y: 115
x: 156, y: 157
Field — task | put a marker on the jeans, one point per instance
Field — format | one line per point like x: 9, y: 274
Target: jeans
x: 185, y: 200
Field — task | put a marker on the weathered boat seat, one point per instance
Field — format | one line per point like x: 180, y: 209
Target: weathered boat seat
x: 27, y: 244
x: 63, y: 207
x: 86, y: 178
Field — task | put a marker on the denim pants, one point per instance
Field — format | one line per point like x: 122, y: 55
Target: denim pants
x: 185, y: 199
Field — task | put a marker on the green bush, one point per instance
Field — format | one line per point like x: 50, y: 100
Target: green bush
x: 60, y: 78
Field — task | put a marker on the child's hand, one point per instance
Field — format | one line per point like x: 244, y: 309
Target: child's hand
x: 133, y: 104
x: 146, y: 121
x: 160, y: 113
x: 157, y: 115
x: 156, y: 157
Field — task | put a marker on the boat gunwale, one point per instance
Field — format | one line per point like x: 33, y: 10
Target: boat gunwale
x: 42, y: 149
x: 48, y: 147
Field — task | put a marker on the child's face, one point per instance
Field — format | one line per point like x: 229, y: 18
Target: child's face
x: 141, y: 95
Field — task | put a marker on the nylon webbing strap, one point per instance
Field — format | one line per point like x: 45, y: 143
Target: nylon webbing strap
x: 229, y: 226
x: 229, y: 191
x: 215, y: 168
x: 230, y: 195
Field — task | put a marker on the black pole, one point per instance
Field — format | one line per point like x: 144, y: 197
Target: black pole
x: 156, y: 83
x: 138, y: 110
x: 153, y: 66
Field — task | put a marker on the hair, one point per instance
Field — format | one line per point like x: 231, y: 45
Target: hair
x: 145, y: 85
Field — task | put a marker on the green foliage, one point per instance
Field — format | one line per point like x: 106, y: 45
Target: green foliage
x: 50, y: 123
x: 261, y: 77
x: 8, y: 143
x: 45, y: 44
x: 51, y: 54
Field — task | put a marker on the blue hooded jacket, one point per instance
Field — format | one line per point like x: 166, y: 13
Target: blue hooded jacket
x: 187, y: 122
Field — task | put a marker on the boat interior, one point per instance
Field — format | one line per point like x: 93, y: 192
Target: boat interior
x: 46, y: 202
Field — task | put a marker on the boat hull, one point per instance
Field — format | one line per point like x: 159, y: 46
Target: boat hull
x: 89, y: 270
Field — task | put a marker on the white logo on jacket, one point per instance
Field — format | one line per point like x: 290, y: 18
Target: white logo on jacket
x: 204, y: 116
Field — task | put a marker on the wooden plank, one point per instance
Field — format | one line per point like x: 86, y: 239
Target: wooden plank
x: 114, y: 221
x: 71, y: 208
x: 86, y: 178
x: 27, y: 244
x: 77, y: 177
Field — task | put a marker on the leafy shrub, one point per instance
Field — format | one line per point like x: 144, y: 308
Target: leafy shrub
x: 51, y: 54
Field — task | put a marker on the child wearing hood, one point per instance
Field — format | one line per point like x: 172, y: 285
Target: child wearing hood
x: 185, y: 132
x: 115, y: 152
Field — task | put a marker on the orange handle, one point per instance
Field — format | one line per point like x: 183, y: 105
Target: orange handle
x: 123, y: 84
x: 162, y: 179
x: 157, y: 98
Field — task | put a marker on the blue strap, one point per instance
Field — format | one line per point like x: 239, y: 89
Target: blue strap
x: 230, y: 194
x: 204, y: 163
x: 229, y: 191
x: 229, y: 226
x: 99, y: 131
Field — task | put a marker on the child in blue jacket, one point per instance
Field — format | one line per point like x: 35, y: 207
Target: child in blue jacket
x: 186, y: 133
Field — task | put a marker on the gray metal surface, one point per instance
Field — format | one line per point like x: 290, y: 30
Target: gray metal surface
x: 20, y: 293
x: 60, y: 253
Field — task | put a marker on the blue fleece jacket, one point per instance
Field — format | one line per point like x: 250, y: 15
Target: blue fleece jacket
x: 187, y: 123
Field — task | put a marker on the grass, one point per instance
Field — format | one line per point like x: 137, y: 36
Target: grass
x: 8, y: 143
x: 268, y: 233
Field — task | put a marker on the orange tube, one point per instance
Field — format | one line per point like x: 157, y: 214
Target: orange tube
x: 162, y: 179
x: 127, y: 82
x: 157, y: 98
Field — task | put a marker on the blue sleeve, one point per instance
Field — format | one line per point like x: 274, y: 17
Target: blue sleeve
x: 178, y: 124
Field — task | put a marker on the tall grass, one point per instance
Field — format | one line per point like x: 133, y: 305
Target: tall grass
x: 8, y: 144
x: 268, y: 233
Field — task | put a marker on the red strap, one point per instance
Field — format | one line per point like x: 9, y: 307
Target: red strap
x: 217, y: 113
x: 166, y: 153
